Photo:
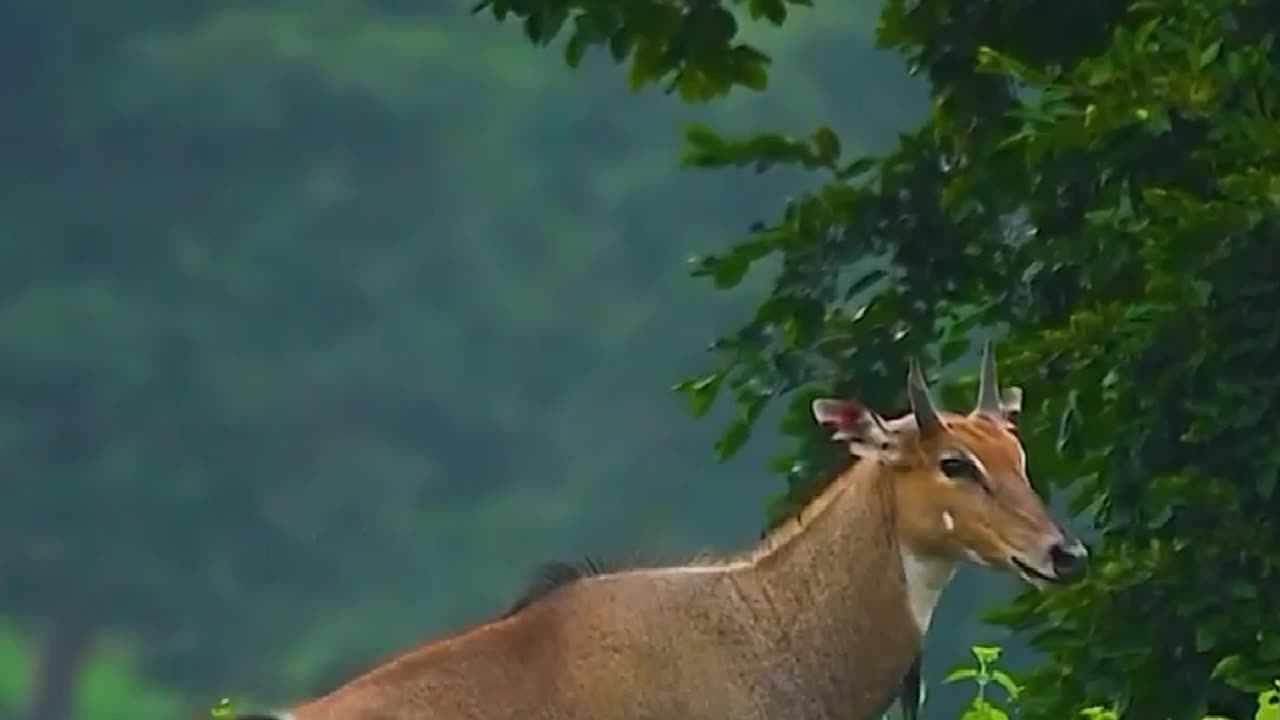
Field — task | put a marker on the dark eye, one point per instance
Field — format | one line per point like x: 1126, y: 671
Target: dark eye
x: 959, y: 468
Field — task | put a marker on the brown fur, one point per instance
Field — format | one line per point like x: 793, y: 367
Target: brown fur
x: 799, y: 633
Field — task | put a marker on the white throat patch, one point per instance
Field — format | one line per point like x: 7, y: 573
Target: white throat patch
x: 926, y: 579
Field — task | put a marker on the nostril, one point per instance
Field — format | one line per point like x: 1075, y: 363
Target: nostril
x: 1068, y: 560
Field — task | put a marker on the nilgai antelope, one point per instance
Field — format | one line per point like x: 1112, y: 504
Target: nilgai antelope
x: 821, y: 621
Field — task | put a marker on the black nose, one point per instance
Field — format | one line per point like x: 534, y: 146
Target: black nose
x: 1068, y: 558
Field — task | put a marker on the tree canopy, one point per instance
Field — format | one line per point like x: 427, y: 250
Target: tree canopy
x: 1096, y: 184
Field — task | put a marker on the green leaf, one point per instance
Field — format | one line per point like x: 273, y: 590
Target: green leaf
x: 856, y: 167
x: 1269, y: 704
x: 701, y: 392
x: 983, y: 710
x: 574, y: 49
x: 646, y: 62
x: 960, y: 674
x: 620, y: 44
x: 703, y: 137
x: 986, y: 654
x: 773, y: 10
x: 1210, y: 53
x: 732, y: 439
x: 1007, y: 682
x: 1227, y: 666
x: 726, y: 271
x: 753, y: 74
x: 826, y: 146
x: 713, y: 25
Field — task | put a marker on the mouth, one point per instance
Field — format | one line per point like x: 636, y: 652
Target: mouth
x: 1031, y: 575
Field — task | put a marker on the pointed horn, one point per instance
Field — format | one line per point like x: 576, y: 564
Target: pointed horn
x: 921, y: 405
x: 989, y: 387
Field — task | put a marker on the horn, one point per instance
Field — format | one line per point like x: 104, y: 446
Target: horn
x: 989, y: 387
x: 921, y: 405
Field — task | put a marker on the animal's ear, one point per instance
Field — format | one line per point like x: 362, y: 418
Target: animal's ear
x: 853, y: 423
x: 1011, y: 403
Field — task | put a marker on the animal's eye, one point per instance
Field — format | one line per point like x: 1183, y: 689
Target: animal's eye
x: 959, y: 468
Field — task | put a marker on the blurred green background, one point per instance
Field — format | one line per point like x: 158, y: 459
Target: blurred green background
x: 322, y: 323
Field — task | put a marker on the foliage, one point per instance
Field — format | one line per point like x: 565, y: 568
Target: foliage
x: 690, y: 46
x: 1097, y: 183
x: 985, y: 672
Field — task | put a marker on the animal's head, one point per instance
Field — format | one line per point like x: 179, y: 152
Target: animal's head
x: 961, y: 480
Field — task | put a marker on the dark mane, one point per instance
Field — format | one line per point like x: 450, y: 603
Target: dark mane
x: 554, y: 575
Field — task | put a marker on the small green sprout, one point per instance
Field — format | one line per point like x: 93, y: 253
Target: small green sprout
x: 221, y: 710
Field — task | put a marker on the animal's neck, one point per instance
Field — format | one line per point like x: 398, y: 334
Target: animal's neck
x: 860, y: 601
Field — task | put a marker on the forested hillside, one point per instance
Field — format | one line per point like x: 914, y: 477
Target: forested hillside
x: 323, y: 322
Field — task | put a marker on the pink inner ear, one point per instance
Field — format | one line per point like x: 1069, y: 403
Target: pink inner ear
x: 843, y: 414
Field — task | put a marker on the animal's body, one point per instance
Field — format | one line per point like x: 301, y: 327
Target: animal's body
x: 822, y: 621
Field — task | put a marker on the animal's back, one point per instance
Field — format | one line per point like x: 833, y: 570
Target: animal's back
x: 675, y: 644
x: 504, y: 670
x: 594, y: 650
x: 686, y: 644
